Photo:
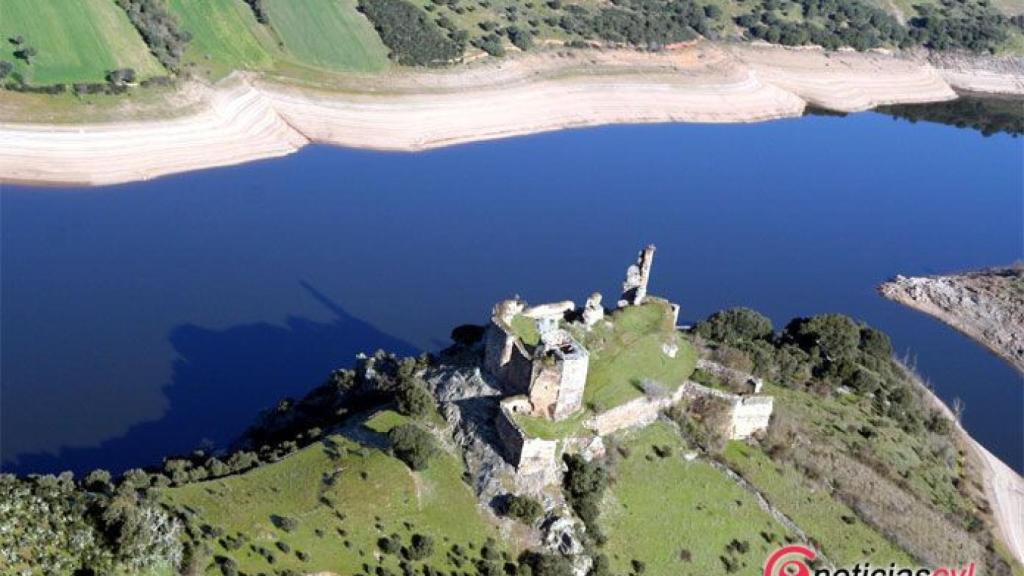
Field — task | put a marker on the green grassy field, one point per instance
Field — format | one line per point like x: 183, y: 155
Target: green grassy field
x: 678, y: 517
x: 77, y: 41
x: 841, y: 535
x: 629, y: 351
x: 343, y: 499
x: 225, y: 36
x: 328, y: 34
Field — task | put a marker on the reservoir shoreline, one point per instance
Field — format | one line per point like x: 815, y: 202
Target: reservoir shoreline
x: 248, y: 117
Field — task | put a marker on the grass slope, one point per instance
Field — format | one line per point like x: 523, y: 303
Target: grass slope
x: 338, y: 493
x: 840, y: 534
x: 225, y: 35
x: 77, y: 41
x: 329, y: 34
x: 661, y: 507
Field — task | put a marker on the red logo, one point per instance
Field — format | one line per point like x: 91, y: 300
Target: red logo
x: 779, y: 563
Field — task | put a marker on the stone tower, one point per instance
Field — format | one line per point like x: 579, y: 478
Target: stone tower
x: 634, y: 289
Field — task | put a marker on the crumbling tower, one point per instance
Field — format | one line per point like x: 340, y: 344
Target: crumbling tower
x: 634, y: 289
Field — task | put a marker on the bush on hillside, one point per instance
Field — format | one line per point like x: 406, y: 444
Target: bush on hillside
x: 545, y: 564
x: 159, y: 29
x: 412, y: 445
x: 523, y: 508
x: 414, y: 399
x: 735, y: 324
x: 584, y: 485
x: 259, y: 10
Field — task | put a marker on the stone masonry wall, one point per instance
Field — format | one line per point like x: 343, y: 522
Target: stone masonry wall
x: 751, y: 415
x: 532, y: 457
x: 748, y: 414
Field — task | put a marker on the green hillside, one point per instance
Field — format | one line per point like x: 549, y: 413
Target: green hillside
x: 75, y: 41
x: 225, y: 35
x: 679, y: 517
x: 329, y: 34
x: 342, y: 498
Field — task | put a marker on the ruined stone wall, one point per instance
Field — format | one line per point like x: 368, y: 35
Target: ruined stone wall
x: 505, y: 358
x: 571, y: 385
x: 544, y: 387
x: 748, y: 415
x: 751, y: 415
x: 536, y: 460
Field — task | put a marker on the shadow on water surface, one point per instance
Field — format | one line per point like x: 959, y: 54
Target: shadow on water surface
x: 221, y: 379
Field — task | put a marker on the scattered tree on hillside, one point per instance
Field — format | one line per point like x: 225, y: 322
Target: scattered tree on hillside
x: 26, y: 53
x: 259, y: 9
x: 159, y: 29
x: 412, y: 445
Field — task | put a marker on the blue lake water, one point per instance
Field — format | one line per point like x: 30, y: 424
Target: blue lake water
x: 148, y: 318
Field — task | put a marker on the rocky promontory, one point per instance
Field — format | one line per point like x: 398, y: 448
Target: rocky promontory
x: 987, y: 305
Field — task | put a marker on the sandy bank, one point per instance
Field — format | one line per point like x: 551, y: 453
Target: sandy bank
x: 987, y: 306
x: 247, y: 118
x: 1004, y: 488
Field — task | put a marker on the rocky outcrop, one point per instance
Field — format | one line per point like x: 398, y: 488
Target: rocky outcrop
x: 987, y: 305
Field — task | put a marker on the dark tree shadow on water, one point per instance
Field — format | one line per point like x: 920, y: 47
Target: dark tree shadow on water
x: 221, y: 380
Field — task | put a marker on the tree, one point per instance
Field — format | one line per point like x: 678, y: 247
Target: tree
x: 121, y: 76
x: 546, y: 564
x: 835, y: 335
x: 26, y: 53
x: 523, y: 508
x: 421, y: 548
x: 98, y: 481
x: 412, y: 445
x: 414, y: 400
x: 5, y: 69
x: 875, y: 343
x: 584, y: 486
x: 735, y: 324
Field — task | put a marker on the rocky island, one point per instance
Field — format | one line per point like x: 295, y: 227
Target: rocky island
x: 555, y: 440
x: 986, y: 305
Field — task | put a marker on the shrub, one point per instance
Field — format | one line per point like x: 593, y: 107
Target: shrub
x: 412, y: 445
x: 520, y: 38
x: 545, y: 565
x: 390, y: 545
x: 284, y: 522
x: 875, y: 343
x: 414, y: 400
x: 491, y: 43
x: 121, y: 76
x: 584, y: 486
x: 835, y: 335
x: 421, y: 548
x: 523, y: 508
x: 735, y: 324
x: 259, y: 10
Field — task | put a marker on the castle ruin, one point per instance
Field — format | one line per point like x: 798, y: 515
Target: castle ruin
x: 543, y: 371
x: 533, y: 356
